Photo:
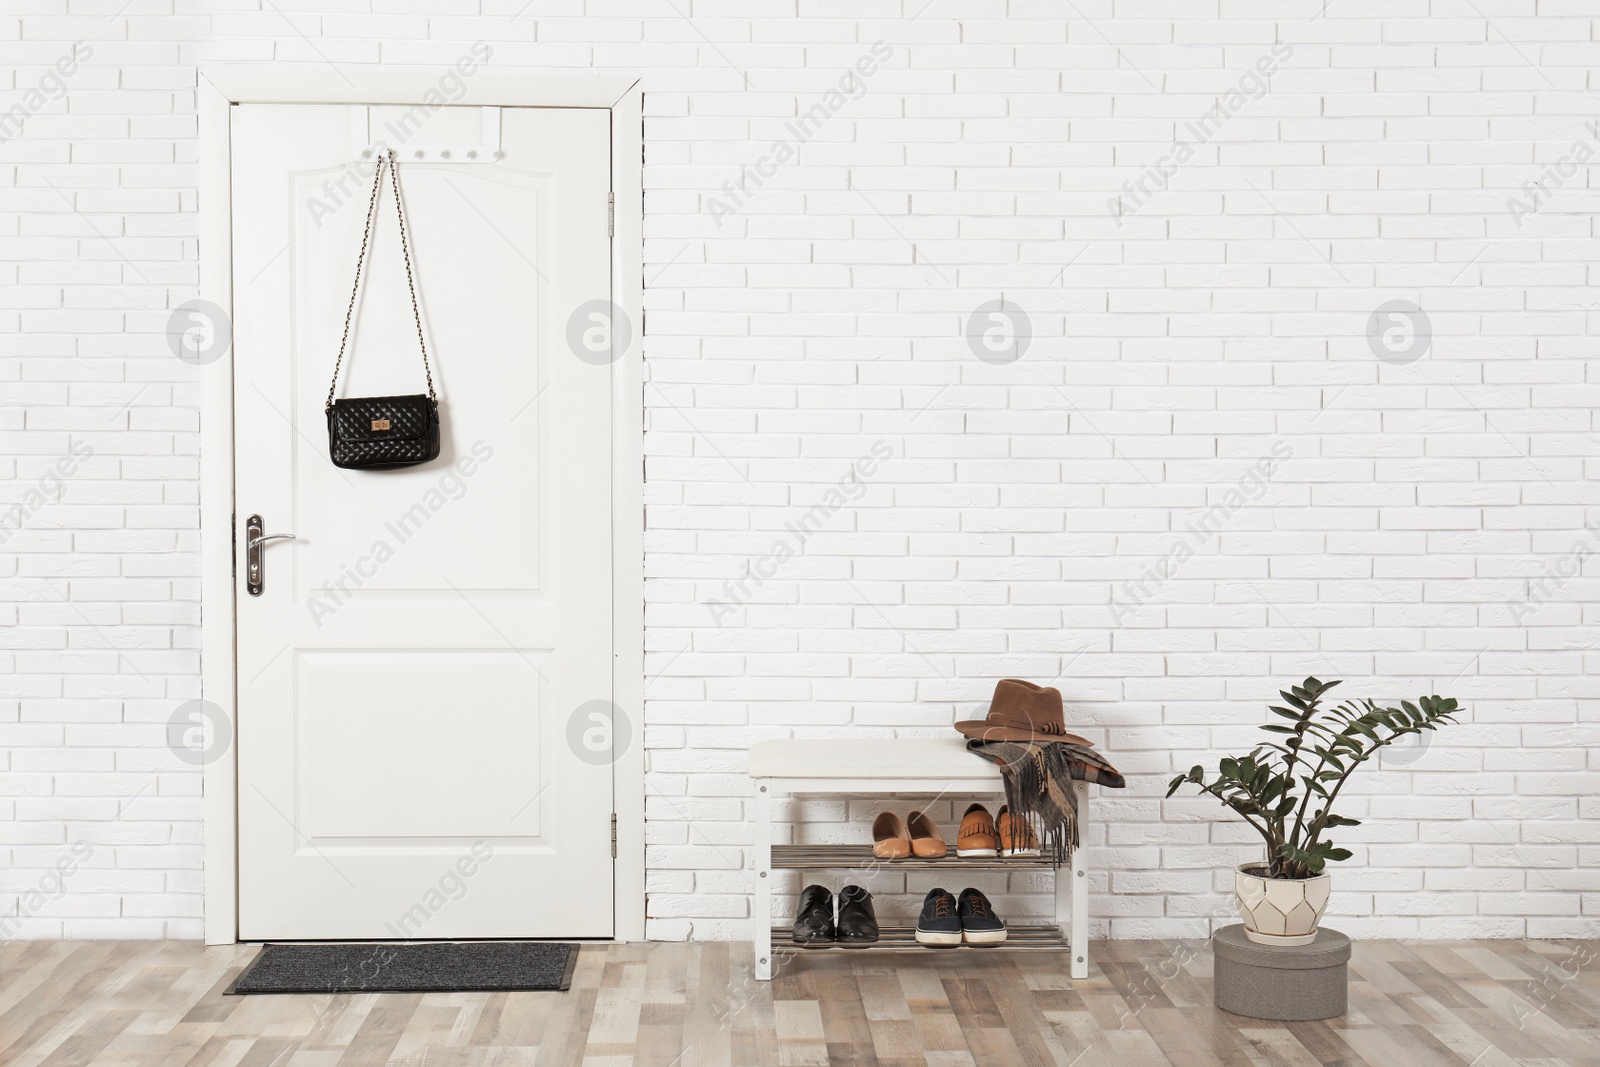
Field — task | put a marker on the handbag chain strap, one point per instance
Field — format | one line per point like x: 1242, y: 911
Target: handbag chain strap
x: 405, y: 248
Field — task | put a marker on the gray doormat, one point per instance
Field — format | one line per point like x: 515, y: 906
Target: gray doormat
x: 423, y: 967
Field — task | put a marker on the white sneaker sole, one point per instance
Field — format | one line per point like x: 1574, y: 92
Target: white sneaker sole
x: 983, y: 937
x: 1019, y: 852
x: 977, y: 853
x: 938, y: 937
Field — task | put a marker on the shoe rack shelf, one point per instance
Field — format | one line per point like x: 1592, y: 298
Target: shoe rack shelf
x: 899, y: 768
x: 859, y: 857
x: 905, y: 937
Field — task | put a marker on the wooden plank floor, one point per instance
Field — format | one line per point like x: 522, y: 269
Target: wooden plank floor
x: 1145, y: 1004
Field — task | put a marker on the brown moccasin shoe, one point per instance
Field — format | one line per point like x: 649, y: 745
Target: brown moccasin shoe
x: 977, y: 836
x: 925, y: 840
x: 1016, y: 836
x: 889, y: 838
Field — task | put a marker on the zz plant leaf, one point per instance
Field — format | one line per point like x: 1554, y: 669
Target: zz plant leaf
x: 1286, y: 790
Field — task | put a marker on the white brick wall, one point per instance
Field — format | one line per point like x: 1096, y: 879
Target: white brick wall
x: 1223, y: 313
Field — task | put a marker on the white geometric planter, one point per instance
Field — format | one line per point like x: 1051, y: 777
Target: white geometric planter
x: 1279, y: 911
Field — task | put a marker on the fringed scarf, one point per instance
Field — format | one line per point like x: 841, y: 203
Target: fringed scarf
x: 1039, y: 777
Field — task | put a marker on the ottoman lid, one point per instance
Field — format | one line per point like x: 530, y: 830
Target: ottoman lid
x: 1330, y: 949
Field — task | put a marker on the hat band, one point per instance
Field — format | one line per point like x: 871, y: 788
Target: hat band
x: 1051, y: 728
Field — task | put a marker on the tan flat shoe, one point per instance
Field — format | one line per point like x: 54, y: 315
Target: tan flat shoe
x: 1016, y: 836
x: 925, y: 840
x: 889, y: 838
x: 977, y: 836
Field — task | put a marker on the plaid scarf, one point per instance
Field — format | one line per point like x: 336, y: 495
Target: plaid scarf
x: 1039, y: 777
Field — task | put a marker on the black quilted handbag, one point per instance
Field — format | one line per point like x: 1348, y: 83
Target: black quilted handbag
x: 381, y: 432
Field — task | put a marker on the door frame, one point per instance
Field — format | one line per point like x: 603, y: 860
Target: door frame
x: 219, y: 89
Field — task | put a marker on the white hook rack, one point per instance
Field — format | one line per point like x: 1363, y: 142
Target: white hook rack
x: 486, y: 151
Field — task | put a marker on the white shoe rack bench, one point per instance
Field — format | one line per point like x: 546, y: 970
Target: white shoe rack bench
x: 899, y: 768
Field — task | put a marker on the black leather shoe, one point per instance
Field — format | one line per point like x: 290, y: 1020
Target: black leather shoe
x: 814, y: 920
x: 857, y: 923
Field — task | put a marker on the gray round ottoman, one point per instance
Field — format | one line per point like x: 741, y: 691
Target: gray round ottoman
x: 1288, y: 984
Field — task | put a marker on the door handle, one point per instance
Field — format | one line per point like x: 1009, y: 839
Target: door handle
x: 255, y: 578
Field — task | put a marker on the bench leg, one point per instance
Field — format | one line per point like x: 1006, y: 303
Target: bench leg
x: 761, y: 907
x: 1079, y: 877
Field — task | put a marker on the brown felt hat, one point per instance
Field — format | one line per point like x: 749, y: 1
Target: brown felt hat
x: 1022, y: 711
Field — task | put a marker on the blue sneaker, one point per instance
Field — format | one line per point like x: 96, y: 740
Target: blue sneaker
x: 939, y: 924
x: 979, y: 924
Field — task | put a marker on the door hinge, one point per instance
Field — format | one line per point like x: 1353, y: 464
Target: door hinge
x: 611, y: 214
x: 613, y: 835
x: 233, y: 544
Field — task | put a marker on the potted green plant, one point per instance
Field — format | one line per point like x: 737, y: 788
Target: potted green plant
x: 1286, y: 790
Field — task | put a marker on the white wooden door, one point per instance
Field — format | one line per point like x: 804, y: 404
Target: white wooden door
x: 424, y: 678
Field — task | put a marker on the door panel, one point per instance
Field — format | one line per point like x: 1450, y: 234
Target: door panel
x: 374, y: 724
x: 480, y: 281
x: 407, y: 676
